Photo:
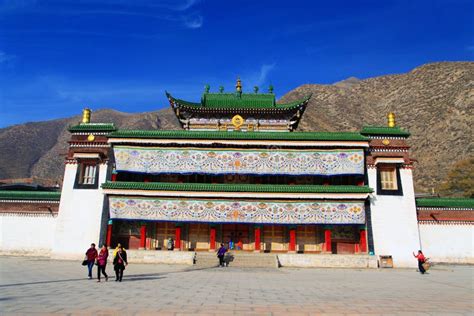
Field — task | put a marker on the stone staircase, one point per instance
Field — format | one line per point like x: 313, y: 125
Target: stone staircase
x: 237, y: 259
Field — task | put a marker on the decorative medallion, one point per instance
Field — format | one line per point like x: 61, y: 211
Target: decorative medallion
x: 237, y: 121
x: 91, y: 137
x: 386, y: 142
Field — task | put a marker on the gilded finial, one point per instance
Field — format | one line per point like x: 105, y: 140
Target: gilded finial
x: 391, y: 119
x: 221, y: 89
x: 238, y: 86
x: 86, y: 116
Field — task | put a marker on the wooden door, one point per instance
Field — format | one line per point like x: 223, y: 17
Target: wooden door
x: 308, y: 238
x: 274, y: 238
x: 164, y: 231
x: 199, y: 236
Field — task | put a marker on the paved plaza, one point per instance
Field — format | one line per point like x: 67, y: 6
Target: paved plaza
x: 35, y: 285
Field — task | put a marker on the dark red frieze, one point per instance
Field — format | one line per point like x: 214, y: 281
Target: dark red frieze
x: 440, y: 215
x: 29, y: 208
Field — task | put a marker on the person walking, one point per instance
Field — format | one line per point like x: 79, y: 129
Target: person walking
x: 421, y: 259
x: 91, y: 255
x: 120, y: 261
x: 102, y: 262
x: 220, y: 254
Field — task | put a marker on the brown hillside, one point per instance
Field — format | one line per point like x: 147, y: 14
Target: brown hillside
x: 434, y: 102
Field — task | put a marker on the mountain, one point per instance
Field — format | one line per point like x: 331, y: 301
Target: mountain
x: 434, y: 102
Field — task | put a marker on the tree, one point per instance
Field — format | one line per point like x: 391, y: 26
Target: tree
x: 460, y: 179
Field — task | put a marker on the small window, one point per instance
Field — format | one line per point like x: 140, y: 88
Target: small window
x: 87, y: 176
x: 388, y: 180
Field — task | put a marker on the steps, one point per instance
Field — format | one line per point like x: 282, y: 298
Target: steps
x: 237, y: 259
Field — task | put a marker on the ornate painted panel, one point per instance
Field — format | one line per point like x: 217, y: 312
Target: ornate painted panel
x: 239, y: 161
x: 232, y: 211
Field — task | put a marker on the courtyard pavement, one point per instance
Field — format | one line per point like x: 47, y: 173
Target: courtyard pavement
x: 43, y: 286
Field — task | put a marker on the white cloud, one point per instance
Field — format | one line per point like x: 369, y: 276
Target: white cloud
x: 193, y: 21
x: 258, y: 78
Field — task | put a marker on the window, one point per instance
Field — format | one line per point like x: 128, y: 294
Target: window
x: 388, y: 180
x: 87, y: 176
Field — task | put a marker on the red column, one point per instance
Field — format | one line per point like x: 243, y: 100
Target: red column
x: 327, y: 240
x: 212, y: 239
x: 114, y: 177
x: 363, y: 241
x: 292, y: 246
x: 257, y: 239
x: 108, y: 239
x: 142, y: 236
x: 177, y: 238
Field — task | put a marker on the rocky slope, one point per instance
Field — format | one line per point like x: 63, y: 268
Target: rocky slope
x: 434, y: 102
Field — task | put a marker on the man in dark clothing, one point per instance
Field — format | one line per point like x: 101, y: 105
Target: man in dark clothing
x: 91, y: 255
x: 220, y: 254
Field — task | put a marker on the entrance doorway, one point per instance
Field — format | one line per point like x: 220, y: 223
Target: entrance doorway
x: 236, y: 236
x: 274, y: 238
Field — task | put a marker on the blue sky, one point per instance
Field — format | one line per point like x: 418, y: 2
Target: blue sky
x: 57, y: 57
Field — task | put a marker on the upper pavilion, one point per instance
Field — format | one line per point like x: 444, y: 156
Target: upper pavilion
x: 238, y: 111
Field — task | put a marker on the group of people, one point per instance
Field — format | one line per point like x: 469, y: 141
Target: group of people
x: 100, y: 259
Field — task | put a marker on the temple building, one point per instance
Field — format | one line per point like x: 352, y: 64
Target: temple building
x: 238, y: 173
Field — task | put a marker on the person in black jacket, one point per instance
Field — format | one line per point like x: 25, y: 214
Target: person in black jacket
x: 120, y: 261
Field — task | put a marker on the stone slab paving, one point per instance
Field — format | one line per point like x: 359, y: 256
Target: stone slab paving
x: 42, y: 286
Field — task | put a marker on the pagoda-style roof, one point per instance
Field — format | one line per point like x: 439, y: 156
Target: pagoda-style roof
x: 255, y: 111
x: 237, y: 103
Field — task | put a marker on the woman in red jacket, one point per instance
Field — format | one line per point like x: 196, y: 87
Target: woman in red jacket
x: 102, y: 262
x: 421, y: 259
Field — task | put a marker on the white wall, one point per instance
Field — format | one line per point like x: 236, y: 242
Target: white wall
x: 29, y: 235
x: 394, y: 221
x: 80, y: 216
x: 448, y: 242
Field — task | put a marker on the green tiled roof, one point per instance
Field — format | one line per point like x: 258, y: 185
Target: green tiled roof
x: 239, y: 101
x: 384, y: 131
x: 264, y: 188
x: 184, y: 134
x: 445, y: 202
x: 235, y: 100
x: 93, y: 127
x: 29, y: 195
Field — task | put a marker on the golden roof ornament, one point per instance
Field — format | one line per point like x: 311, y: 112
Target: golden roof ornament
x: 238, y: 86
x: 237, y: 121
x: 86, y: 116
x: 391, y: 119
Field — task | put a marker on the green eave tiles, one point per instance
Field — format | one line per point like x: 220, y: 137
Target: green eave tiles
x: 235, y: 100
x: 384, y: 131
x: 248, y: 101
x: 29, y: 195
x: 183, y: 134
x: 93, y: 127
x: 445, y: 202
x: 263, y: 188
